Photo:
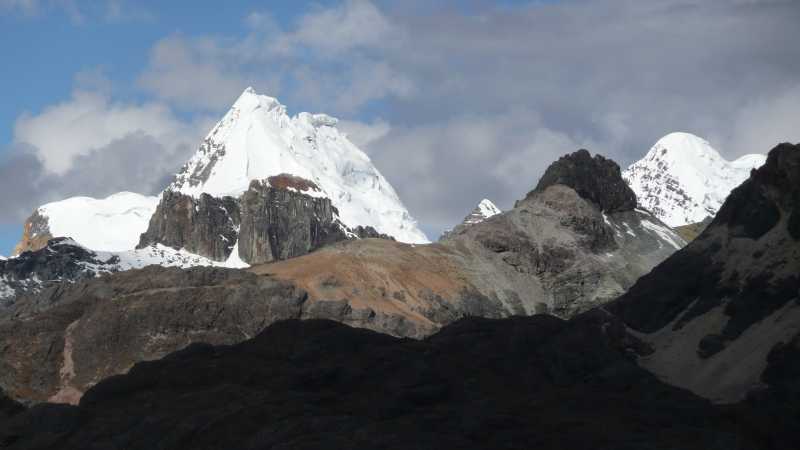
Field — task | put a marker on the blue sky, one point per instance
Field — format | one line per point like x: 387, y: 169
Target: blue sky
x: 453, y: 100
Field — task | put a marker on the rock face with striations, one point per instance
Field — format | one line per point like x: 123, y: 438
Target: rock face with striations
x: 274, y: 219
x: 596, y: 179
x: 280, y: 224
x: 206, y: 225
x: 715, y: 311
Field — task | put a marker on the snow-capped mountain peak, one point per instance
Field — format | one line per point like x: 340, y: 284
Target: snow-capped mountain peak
x: 683, y: 179
x: 483, y: 211
x: 257, y: 139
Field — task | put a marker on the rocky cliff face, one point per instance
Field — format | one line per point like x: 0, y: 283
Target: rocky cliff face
x: 280, y: 224
x: 206, y: 225
x: 716, y: 310
x: 274, y: 219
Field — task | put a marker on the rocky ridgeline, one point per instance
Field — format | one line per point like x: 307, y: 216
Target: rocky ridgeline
x: 596, y: 179
x: 274, y: 219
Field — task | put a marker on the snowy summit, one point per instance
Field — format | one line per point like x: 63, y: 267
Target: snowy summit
x: 683, y: 179
x: 483, y: 211
x: 257, y: 139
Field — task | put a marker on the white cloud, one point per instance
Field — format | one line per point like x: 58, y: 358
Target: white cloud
x: 362, y: 134
x: 353, y: 24
x: 441, y: 170
x: 765, y: 122
x: 89, y: 121
x: 194, y: 73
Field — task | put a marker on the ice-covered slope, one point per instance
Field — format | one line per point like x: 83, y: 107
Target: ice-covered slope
x: 111, y: 224
x: 683, y: 179
x: 257, y: 139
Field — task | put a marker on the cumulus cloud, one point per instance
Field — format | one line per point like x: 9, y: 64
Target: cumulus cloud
x: 92, y: 146
x: 444, y: 169
x: 766, y: 121
x: 198, y: 73
x: 89, y: 121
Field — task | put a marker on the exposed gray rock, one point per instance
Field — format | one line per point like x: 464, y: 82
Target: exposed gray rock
x: 206, y: 225
x: 281, y: 224
x: 557, y: 252
x: 272, y: 220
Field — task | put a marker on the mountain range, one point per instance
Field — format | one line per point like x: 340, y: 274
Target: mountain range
x: 277, y: 294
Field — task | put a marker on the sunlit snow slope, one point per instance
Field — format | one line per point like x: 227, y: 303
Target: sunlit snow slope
x: 257, y: 139
x: 110, y: 224
x: 683, y: 180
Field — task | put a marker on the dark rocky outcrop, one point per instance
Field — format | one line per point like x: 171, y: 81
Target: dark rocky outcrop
x: 206, y: 225
x: 594, y: 178
x: 516, y: 383
x: 279, y: 223
x: 60, y: 260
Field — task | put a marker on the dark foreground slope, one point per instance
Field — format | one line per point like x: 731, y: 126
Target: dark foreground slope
x: 536, y: 382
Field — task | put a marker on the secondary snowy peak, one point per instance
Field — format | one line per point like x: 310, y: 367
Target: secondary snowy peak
x: 683, y: 179
x: 257, y: 139
x: 483, y: 211
x: 113, y: 223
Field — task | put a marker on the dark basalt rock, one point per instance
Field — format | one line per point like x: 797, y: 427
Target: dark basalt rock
x: 515, y: 383
x: 281, y: 224
x: 205, y: 226
x: 594, y: 178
